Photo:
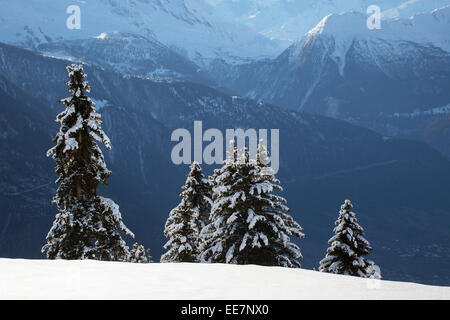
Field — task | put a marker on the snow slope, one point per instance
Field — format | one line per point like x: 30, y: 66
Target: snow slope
x: 44, y: 279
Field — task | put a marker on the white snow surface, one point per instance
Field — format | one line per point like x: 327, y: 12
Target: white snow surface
x: 62, y: 279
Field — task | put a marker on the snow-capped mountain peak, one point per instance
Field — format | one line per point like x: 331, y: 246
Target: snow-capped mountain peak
x: 338, y: 32
x: 288, y: 19
x: 341, y: 65
x: 343, y: 24
x: 425, y: 28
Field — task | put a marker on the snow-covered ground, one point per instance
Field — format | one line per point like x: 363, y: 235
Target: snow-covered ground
x: 45, y: 279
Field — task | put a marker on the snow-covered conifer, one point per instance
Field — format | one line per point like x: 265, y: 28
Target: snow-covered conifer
x: 87, y: 226
x: 249, y: 223
x: 347, y: 247
x: 187, y: 219
x: 138, y: 254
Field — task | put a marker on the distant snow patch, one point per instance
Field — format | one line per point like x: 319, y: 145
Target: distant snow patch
x: 100, y: 104
x: 102, y: 36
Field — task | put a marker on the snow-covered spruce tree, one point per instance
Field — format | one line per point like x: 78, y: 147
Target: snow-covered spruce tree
x: 287, y: 252
x: 249, y: 223
x: 348, y: 246
x: 87, y: 226
x: 187, y: 219
x: 201, y: 196
x: 138, y: 254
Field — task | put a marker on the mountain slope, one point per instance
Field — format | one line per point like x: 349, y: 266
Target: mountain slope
x: 128, y: 54
x: 368, y: 77
x: 288, y: 19
x: 341, y: 42
x: 185, y: 25
x: 399, y: 187
x: 25, y: 183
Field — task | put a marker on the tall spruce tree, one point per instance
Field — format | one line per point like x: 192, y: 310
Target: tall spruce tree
x: 87, y: 226
x: 287, y: 253
x: 186, y: 221
x: 347, y: 247
x: 249, y: 223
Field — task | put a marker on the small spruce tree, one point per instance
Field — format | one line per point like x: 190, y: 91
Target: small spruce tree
x: 138, y: 254
x: 249, y: 223
x: 347, y: 247
x: 186, y: 221
x: 87, y: 226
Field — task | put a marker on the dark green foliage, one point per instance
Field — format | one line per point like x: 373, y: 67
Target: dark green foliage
x: 187, y: 220
x: 249, y: 223
x: 87, y: 226
x: 348, y: 246
x: 138, y: 254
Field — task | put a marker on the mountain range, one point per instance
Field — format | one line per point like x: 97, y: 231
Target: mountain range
x: 399, y: 185
x: 32, y: 23
x: 379, y: 79
x: 287, y: 20
x: 362, y: 113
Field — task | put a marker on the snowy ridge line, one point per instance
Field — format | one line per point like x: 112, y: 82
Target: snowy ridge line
x: 88, y: 279
x: 29, y: 190
x: 431, y: 112
x: 286, y: 20
x: 378, y: 164
x: 339, y: 32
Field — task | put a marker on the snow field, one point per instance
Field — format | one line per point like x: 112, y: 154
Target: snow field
x: 62, y: 279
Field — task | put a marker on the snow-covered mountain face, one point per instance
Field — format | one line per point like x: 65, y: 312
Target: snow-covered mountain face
x: 290, y: 19
x: 129, y: 54
x: 369, y: 77
x: 184, y: 25
x: 339, y: 32
x: 201, y: 31
x: 229, y: 29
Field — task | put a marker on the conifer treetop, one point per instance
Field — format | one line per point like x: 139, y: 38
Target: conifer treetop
x: 187, y: 219
x: 249, y: 224
x: 80, y: 124
x: 138, y: 254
